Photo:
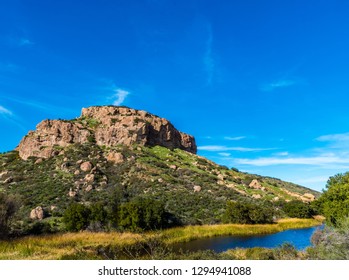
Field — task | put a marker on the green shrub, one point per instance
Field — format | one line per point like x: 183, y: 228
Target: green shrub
x: 298, y: 209
x: 76, y: 217
x: 247, y: 213
x: 142, y: 214
x: 331, y: 243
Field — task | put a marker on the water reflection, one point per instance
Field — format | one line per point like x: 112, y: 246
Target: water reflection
x: 300, y: 238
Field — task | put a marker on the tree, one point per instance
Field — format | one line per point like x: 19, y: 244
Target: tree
x: 298, y: 209
x: 247, y: 213
x: 8, y: 207
x: 76, y: 217
x: 335, y: 199
x: 142, y: 214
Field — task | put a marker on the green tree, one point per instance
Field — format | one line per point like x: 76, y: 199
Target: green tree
x: 247, y: 213
x: 335, y: 199
x: 237, y: 212
x: 76, y: 217
x: 298, y: 209
x: 142, y: 214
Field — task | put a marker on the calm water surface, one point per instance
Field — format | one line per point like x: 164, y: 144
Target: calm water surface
x: 300, y: 238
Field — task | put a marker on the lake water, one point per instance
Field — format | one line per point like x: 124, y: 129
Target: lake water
x: 300, y: 238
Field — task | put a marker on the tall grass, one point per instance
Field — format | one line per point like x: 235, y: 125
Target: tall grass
x: 84, y: 245
x: 185, y: 234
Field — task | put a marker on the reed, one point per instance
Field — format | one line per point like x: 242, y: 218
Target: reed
x: 85, y: 244
x: 185, y: 234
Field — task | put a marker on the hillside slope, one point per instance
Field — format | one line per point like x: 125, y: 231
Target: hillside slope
x: 100, y: 169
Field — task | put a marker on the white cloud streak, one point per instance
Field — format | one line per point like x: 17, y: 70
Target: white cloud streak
x: 281, y: 154
x: 234, y: 138
x: 216, y: 148
x: 224, y: 154
x: 4, y: 111
x: 334, y: 138
x: 284, y: 83
x: 320, y: 161
x: 120, y: 96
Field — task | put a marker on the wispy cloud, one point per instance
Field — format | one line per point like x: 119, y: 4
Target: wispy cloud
x: 316, y: 179
x: 25, y: 42
x: 5, y: 112
x: 344, y: 137
x: 216, y: 148
x: 283, y: 83
x: 38, y: 105
x: 120, y: 96
x: 208, y: 59
x: 281, y: 154
x: 327, y: 161
x: 9, y: 116
x: 224, y: 154
x: 234, y: 138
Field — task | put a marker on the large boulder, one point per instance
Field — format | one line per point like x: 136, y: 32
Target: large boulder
x: 37, y: 213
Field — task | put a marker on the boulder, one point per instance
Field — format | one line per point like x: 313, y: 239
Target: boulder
x: 86, y: 166
x: 115, y: 157
x: 72, y: 193
x: 89, y: 178
x: 255, y: 184
x: 37, y: 213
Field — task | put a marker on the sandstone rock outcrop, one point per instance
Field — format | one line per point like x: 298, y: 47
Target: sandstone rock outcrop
x: 105, y: 125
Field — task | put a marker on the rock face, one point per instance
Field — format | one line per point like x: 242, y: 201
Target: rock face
x: 107, y: 126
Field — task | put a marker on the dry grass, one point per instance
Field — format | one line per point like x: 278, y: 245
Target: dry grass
x: 186, y: 234
x: 53, y: 247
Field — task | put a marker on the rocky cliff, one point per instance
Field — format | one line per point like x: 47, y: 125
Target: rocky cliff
x: 106, y: 126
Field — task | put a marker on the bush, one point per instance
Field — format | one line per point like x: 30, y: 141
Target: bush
x: 298, y: 209
x: 331, y: 243
x: 8, y: 207
x: 76, y: 217
x: 142, y: 214
x: 247, y: 213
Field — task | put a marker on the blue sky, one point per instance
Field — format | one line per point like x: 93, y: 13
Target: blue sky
x: 262, y: 85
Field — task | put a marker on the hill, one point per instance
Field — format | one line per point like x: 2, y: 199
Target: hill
x: 115, y: 154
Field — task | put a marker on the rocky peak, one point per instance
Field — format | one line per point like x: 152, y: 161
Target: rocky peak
x: 104, y: 125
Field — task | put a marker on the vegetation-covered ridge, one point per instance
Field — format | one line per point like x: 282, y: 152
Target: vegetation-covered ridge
x: 190, y: 188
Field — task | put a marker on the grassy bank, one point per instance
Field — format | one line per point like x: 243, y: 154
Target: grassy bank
x: 185, y: 234
x: 86, y: 245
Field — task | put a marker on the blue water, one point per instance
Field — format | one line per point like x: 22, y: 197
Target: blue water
x: 300, y: 238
